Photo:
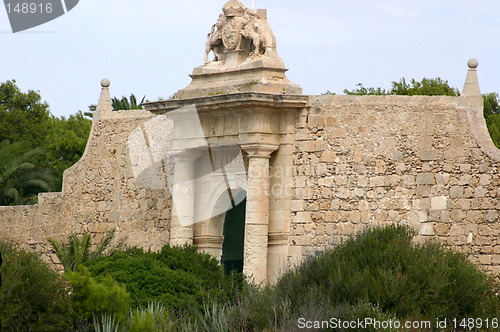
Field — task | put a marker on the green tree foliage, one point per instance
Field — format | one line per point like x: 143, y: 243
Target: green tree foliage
x: 66, y: 141
x: 78, y: 250
x: 425, y: 87
x: 25, y: 118
x: 119, y: 104
x: 126, y: 103
x: 33, y: 297
x: 91, y: 297
x: 385, y: 268
x: 20, y: 179
x: 492, y: 116
x: 362, y: 90
x: 178, y: 277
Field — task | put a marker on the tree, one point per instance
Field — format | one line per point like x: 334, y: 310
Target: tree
x: 426, y: 87
x: 23, y: 116
x: 126, y: 104
x: 20, y: 179
x: 361, y: 91
x: 492, y: 115
x: 66, y: 140
x: 122, y: 104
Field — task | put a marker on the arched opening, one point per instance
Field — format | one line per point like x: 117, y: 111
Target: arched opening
x: 234, y: 235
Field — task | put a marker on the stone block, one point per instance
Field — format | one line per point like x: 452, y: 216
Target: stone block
x: 441, y: 229
x: 408, y: 180
x: 328, y: 156
x: 428, y: 155
x: 457, y: 215
x: 439, y: 203
x: 423, y: 191
x: 465, y: 180
x: 456, y: 192
x: 442, y: 178
x: 422, y: 204
x: 480, y: 192
x: 302, y: 217
x: 332, y: 216
x: 377, y: 181
x: 457, y: 230
x: 425, y: 179
x: 491, y: 215
x: 426, y: 229
x: 485, y: 259
x: 485, y: 179
x: 297, y: 205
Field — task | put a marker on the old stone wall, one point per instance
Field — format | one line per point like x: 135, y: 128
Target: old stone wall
x: 352, y: 162
x: 376, y: 160
x: 100, y: 192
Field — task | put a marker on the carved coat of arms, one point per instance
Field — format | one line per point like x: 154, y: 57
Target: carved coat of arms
x: 231, y: 33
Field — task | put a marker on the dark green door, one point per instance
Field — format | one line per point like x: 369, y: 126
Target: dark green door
x: 234, y: 236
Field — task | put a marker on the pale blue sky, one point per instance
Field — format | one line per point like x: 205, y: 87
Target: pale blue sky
x: 150, y: 47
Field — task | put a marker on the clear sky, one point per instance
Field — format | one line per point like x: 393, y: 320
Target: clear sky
x: 150, y: 47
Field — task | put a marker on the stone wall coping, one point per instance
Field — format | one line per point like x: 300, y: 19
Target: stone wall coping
x: 387, y: 100
x: 245, y: 99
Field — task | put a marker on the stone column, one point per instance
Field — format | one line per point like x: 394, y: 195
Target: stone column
x: 183, y: 192
x: 257, y: 211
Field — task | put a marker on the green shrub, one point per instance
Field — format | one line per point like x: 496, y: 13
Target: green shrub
x: 383, y: 267
x: 178, y: 277
x: 91, y: 297
x: 33, y: 297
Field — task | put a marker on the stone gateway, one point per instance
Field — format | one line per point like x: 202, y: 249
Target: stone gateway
x: 245, y: 167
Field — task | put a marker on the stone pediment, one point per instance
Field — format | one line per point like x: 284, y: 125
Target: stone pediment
x: 244, y: 57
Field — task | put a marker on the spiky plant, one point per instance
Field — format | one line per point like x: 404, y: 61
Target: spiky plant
x: 77, y: 250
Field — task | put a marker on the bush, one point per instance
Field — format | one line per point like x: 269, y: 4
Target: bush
x: 178, y: 277
x: 384, y: 268
x: 33, y: 297
x: 96, y: 298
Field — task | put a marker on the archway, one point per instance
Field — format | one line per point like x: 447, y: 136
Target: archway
x: 234, y: 235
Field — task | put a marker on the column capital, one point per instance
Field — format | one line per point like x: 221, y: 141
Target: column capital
x: 185, y: 155
x: 259, y: 150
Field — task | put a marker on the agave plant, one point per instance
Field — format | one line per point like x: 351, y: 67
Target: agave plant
x: 78, y: 250
x: 107, y: 323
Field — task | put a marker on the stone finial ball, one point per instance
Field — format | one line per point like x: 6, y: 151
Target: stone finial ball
x: 473, y: 63
x: 105, y: 83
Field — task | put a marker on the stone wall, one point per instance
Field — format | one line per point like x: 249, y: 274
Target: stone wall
x: 99, y: 193
x: 352, y: 162
x: 376, y: 160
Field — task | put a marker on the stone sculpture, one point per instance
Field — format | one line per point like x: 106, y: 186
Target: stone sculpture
x: 240, y: 30
x: 244, y: 57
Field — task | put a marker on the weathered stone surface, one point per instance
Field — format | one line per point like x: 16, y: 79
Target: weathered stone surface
x: 320, y: 167
x: 245, y: 57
